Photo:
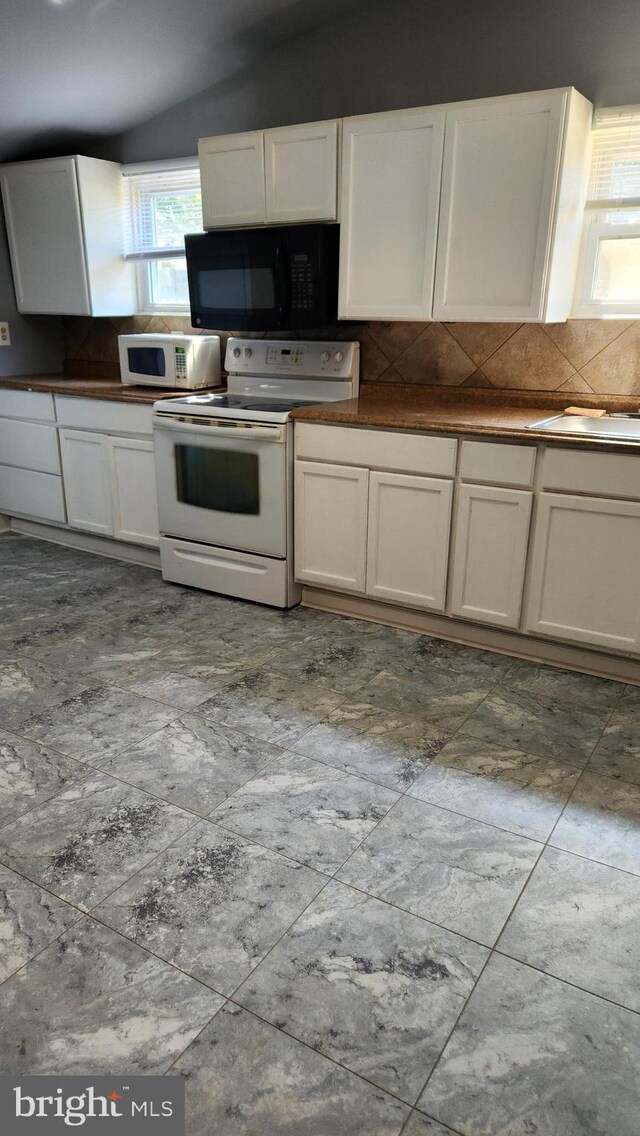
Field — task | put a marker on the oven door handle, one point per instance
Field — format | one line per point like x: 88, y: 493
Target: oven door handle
x: 258, y: 432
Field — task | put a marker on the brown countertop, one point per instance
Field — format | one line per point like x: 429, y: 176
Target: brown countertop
x: 498, y: 414
x: 110, y: 389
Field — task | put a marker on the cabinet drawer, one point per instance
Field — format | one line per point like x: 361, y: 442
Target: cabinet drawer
x: 377, y: 449
x: 108, y: 417
x: 37, y: 405
x: 31, y: 494
x: 29, y: 445
x: 606, y: 475
x: 498, y: 463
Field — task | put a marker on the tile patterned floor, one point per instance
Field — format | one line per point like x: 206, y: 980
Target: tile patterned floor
x: 345, y: 879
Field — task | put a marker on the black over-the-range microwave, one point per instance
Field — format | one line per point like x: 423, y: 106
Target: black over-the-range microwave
x: 269, y: 279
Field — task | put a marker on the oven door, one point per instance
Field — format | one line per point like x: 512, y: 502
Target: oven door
x: 222, y: 482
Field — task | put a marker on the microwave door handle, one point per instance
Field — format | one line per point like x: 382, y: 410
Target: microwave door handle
x: 281, y: 282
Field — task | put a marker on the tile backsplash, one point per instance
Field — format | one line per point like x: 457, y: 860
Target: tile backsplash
x: 580, y: 356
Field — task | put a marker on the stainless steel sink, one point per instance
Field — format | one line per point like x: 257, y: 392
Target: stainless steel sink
x: 626, y: 428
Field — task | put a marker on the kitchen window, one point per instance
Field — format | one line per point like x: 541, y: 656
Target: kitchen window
x: 609, y: 276
x: 163, y: 204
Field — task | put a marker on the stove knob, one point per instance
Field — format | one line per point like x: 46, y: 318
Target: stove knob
x: 325, y: 357
x: 236, y: 352
x: 248, y: 352
x: 339, y: 356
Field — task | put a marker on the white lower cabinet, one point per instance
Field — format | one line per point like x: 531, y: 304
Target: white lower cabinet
x: 408, y: 539
x: 109, y: 484
x: 584, y: 579
x: 331, y: 525
x: 87, y: 480
x: 489, y: 554
x: 133, y: 488
x: 385, y: 535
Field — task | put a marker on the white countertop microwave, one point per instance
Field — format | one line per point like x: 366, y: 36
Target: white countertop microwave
x: 184, y: 362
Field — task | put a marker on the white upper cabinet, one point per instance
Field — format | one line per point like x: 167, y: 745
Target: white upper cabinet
x: 270, y: 176
x: 391, y: 167
x: 64, y: 221
x: 513, y: 187
x: 301, y: 172
x: 232, y: 177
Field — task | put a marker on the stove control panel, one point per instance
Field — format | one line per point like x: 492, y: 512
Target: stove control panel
x: 316, y: 359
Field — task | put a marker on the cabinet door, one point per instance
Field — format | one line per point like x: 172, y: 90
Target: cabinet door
x: 133, y: 485
x: 490, y: 553
x: 44, y: 227
x: 499, y: 180
x: 87, y: 480
x: 585, y: 583
x: 331, y: 525
x: 391, y: 165
x: 301, y: 172
x: 232, y: 176
x: 408, y: 542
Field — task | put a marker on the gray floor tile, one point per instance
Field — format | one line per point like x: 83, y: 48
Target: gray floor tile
x: 517, y: 791
x: 617, y: 754
x: 429, y: 652
x: 435, y: 695
x: 270, y: 706
x: 213, y: 904
x: 376, y: 989
x: 28, y: 686
x: 602, y: 822
x: 97, y: 723
x: 174, y: 689
x: 30, y: 774
x: 256, y: 1081
x: 538, y: 724
x: 422, y: 1126
x: 192, y: 762
x: 579, y: 921
x: 533, y: 1055
x: 364, y: 739
x: 30, y: 919
x: 88, y: 840
x: 419, y: 1125
x: 94, y: 1002
x: 456, y: 872
x: 590, y: 691
x: 313, y: 813
x: 343, y: 660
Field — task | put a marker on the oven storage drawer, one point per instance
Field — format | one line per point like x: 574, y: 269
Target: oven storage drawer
x: 225, y: 570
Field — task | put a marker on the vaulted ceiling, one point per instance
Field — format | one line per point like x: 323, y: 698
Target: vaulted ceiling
x: 73, y: 71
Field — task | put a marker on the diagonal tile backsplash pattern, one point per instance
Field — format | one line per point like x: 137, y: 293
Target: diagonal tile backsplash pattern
x: 579, y: 356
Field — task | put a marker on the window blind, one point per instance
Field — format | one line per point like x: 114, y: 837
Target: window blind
x: 615, y: 165
x: 163, y: 203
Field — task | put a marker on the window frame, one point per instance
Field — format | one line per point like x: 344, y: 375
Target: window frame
x: 135, y: 246
x: 598, y: 225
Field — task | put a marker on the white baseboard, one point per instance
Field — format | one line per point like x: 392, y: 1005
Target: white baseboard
x: 474, y: 635
x: 87, y: 542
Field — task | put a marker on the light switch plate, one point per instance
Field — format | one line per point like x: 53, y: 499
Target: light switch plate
x: 5, y: 337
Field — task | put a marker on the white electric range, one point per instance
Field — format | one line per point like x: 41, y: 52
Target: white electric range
x: 224, y: 466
